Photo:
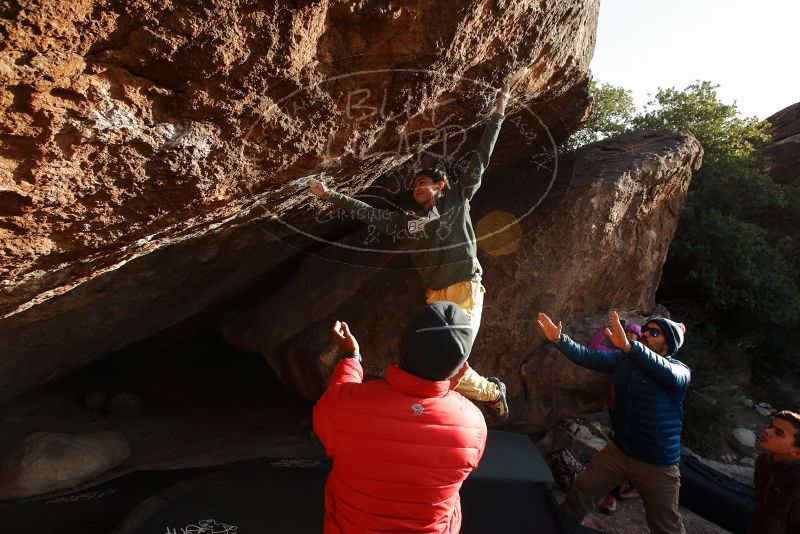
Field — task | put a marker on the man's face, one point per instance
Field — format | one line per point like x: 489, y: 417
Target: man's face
x: 425, y: 190
x: 780, y: 439
x: 654, y: 339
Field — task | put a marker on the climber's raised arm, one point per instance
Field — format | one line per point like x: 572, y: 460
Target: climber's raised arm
x: 470, y: 180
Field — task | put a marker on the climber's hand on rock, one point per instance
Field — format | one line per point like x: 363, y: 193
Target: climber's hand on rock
x: 318, y: 189
x: 504, y: 94
x: 343, y: 338
x: 617, y: 334
x: 550, y: 330
x: 502, y: 98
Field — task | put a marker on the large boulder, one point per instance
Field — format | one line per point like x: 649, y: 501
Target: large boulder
x: 783, y: 152
x: 744, y: 440
x: 141, y: 144
x: 575, y: 238
x: 48, y: 462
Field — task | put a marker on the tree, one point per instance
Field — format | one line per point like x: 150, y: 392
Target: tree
x: 612, y: 113
x: 697, y: 109
x: 732, y: 250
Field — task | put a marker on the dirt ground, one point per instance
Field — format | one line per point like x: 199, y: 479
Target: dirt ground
x: 630, y: 519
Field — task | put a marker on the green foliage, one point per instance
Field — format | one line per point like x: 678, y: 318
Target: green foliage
x: 709, y: 414
x: 776, y: 358
x: 718, y: 126
x: 710, y: 404
x: 732, y: 265
x: 613, y: 111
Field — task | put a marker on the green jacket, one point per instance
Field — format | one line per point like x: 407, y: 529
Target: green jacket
x: 444, y: 248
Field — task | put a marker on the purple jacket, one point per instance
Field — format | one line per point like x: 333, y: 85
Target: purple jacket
x: 596, y: 342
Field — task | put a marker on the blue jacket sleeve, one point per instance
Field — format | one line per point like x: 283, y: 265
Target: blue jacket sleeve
x: 596, y: 360
x: 670, y: 373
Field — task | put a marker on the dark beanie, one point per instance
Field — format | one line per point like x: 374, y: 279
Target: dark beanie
x: 436, y: 341
x: 673, y: 333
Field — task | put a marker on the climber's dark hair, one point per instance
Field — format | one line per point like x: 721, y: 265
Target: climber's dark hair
x: 794, y: 419
x: 436, y: 174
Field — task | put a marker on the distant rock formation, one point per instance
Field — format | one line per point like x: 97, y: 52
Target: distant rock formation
x: 143, y: 144
x: 784, y: 150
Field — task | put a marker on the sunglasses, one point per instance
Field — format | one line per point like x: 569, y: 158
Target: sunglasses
x: 652, y: 332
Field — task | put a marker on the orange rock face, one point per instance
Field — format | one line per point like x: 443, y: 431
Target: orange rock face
x: 783, y: 152
x: 140, y: 141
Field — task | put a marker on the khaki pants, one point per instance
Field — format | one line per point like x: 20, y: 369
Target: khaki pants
x: 469, y: 297
x: 657, y: 484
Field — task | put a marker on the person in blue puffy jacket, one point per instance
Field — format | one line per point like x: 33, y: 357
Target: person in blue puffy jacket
x: 647, y: 419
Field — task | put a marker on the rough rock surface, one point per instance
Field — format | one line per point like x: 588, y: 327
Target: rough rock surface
x: 597, y: 238
x: 784, y: 150
x: 583, y: 438
x: 127, y: 405
x: 764, y: 411
x: 48, y: 462
x: 742, y: 473
x: 744, y: 440
x: 139, y: 142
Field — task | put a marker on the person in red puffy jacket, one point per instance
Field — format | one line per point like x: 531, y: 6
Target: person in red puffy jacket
x: 402, y: 445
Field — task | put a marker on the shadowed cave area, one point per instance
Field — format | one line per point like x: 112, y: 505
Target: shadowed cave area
x: 183, y: 398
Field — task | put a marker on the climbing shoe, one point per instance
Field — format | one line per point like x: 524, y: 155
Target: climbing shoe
x: 609, y: 505
x: 627, y: 492
x: 498, y: 407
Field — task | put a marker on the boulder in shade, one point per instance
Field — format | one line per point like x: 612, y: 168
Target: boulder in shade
x: 744, y: 439
x: 48, y: 462
x: 128, y: 405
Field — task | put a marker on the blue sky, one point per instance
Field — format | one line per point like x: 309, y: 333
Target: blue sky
x: 751, y: 49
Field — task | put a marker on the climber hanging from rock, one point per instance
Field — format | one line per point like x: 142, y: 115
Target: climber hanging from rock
x: 445, y: 240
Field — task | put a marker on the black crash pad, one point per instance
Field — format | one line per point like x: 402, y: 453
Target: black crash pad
x: 716, y: 496
x: 510, y: 492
